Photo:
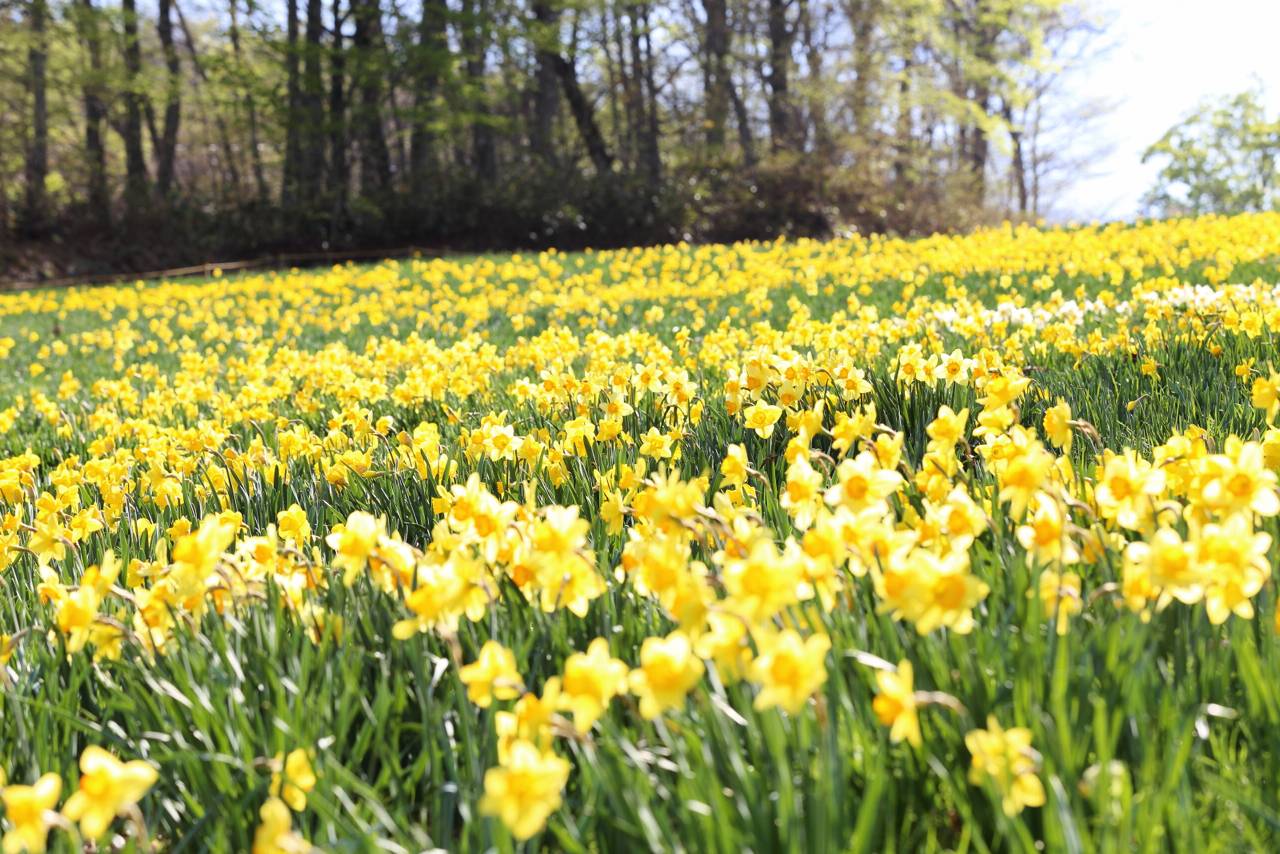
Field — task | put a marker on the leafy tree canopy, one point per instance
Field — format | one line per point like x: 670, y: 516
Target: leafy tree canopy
x: 1220, y: 159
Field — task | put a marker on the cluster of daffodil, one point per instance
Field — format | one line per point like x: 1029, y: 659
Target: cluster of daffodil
x: 126, y: 330
x: 736, y: 476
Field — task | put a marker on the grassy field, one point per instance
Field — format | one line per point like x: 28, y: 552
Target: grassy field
x: 961, y: 543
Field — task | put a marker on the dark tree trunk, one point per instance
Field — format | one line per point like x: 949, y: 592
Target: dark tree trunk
x: 619, y: 94
x: 94, y: 113
x: 433, y: 59
x: 903, y: 134
x: 611, y: 71
x: 645, y: 111
x: 546, y: 100
x: 1019, y: 159
x: 863, y: 16
x: 584, y: 117
x: 979, y: 147
x: 823, y: 144
x: 781, y: 35
x: 172, y: 102
x: 339, y: 164
x: 652, y: 156
x: 311, y: 132
x: 292, y: 145
x: 370, y: 56
x: 475, y: 44
x: 636, y: 80
x: 251, y: 110
x: 628, y: 78
x: 982, y: 30
x: 746, y: 138
x: 35, y: 214
x: 717, y: 82
x: 136, y: 187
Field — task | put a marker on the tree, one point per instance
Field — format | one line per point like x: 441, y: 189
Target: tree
x: 431, y: 59
x: 95, y: 112
x: 545, y: 35
x: 778, y: 77
x: 168, y: 144
x: 339, y: 177
x: 716, y: 81
x: 474, y: 39
x: 292, y: 169
x: 369, y: 74
x: 311, y: 119
x: 1219, y: 159
x: 35, y: 213
x: 244, y: 91
x: 362, y: 123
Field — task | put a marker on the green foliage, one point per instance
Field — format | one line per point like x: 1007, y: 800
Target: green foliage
x: 1219, y: 159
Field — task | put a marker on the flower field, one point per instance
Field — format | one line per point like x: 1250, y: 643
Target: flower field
x: 961, y: 543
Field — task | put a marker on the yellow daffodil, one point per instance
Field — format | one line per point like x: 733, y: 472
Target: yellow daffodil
x: 107, y: 788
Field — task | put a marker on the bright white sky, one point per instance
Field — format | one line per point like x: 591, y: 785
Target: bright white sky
x: 1167, y: 56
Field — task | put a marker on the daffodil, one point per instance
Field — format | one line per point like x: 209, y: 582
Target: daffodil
x: 355, y: 541
x: 275, y: 834
x: 492, y: 676
x: 293, y: 778
x: 590, y: 681
x: 789, y: 669
x: 525, y: 790
x: 107, y: 788
x: 1004, y: 758
x: 668, y: 671
x: 895, y: 703
x: 761, y: 418
x: 27, y: 811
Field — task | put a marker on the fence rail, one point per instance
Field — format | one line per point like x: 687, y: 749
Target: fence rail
x: 207, y: 269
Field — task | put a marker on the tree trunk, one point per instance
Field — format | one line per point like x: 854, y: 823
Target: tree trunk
x: 35, y: 214
x: 823, y: 144
x: 251, y: 109
x: 746, y: 138
x: 475, y: 43
x: 432, y: 60
x: 224, y: 138
x: 716, y: 72
x: 629, y: 134
x: 136, y: 182
x: 985, y: 31
x: 546, y: 96
x: 781, y: 35
x: 292, y: 144
x: 652, y: 154
x: 1034, y: 157
x: 370, y: 56
x: 903, y: 135
x: 583, y: 117
x: 645, y: 112
x: 863, y: 21
x: 94, y: 113
x: 1019, y: 160
x: 339, y: 164
x: 311, y: 132
x: 172, y: 101
x: 615, y: 79
x: 979, y: 147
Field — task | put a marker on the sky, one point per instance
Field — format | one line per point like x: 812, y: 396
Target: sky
x: 1165, y: 57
